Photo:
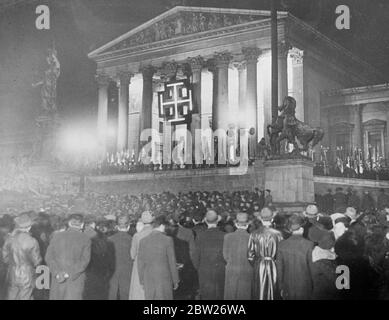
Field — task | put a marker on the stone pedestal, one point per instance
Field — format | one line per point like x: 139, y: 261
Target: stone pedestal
x: 290, y: 182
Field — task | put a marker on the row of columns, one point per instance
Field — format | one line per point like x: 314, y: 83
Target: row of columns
x: 248, y: 84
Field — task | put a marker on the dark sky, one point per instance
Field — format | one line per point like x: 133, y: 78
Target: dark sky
x: 79, y: 26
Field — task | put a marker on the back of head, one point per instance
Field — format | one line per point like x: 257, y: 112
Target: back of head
x: 76, y: 220
x: 211, y: 217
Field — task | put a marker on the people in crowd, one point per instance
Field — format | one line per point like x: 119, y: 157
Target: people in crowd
x: 208, y: 230
x: 143, y: 230
x: 68, y: 256
x: 187, y: 274
x: 157, y: 266
x: 208, y: 259
x: 262, y: 250
x: 21, y: 253
x: 293, y: 262
x: 239, y: 272
x: 323, y: 269
x: 119, y: 285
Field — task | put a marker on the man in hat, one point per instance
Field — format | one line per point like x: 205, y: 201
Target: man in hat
x: 311, y: 215
x: 22, y: 254
x: 324, y: 267
x: 294, y: 259
x: 157, y: 266
x: 136, y: 289
x: 239, y: 272
x: 208, y: 259
x: 262, y: 249
x: 68, y: 256
x: 119, y: 284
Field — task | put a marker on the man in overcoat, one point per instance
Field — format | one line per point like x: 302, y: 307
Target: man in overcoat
x: 294, y: 263
x: 157, y: 265
x: 209, y: 261
x: 120, y: 280
x: 22, y: 254
x: 67, y: 256
x: 239, y: 272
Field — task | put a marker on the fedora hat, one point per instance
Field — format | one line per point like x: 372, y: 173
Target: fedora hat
x: 23, y: 221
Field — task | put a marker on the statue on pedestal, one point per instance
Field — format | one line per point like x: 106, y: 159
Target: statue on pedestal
x: 47, y: 121
x: 288, y: 127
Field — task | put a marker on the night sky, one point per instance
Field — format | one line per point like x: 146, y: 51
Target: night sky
x: 79, y: 26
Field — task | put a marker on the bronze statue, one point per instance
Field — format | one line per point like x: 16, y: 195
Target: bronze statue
x: 288, y: 127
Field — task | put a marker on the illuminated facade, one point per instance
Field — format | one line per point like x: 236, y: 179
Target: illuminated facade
x: 358, y: 118
x: 223, y: 57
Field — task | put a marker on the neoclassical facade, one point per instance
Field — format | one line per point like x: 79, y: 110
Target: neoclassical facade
x: 222, y: 57
x: 358, y: 118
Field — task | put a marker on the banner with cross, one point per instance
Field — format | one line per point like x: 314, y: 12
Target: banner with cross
x: 175, y: 102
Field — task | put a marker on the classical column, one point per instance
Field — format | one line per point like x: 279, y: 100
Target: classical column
x: 283, y: 50
x: 358, y: 134
x: 102, y: 112
x: 196, y: 66
x: 387, y: 133
x: 298, y: 81
x: 124, y: 82
x: 250, y: 112
x: 147, y: 98
x: 220, y: 109
x: 242, y: 76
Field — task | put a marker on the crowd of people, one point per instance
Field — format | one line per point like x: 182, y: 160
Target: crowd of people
x: 199, y: 245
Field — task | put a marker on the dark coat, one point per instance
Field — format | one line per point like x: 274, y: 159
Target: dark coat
x: 187, y: 235
x: 157, y: 266
x: 239, y: 272
x: 340, y: 202
x: 327, y: 203
x: 324, y: 277
x: 69, y: 251
x: 100, y: 269
x: 294, y: 259
x: 200, y: 227
x: 210, y: 263
x: 187, y: 273
x: 121, y: 278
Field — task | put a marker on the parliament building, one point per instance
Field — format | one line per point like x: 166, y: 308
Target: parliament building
x: 211, y: 68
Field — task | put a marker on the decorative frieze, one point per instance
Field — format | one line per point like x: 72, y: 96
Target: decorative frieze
x: 184, y: 23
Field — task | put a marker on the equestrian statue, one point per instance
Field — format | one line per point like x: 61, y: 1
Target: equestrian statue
x: 288, y: 127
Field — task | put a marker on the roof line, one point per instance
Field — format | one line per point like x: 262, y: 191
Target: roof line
x: 175, y: 10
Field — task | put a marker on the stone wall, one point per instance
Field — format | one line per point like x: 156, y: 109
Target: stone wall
x: 221, y: 179
x: 323, y: 183
x: 212, y: 179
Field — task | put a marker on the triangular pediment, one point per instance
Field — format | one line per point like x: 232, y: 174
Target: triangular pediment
x: 182, y: 21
